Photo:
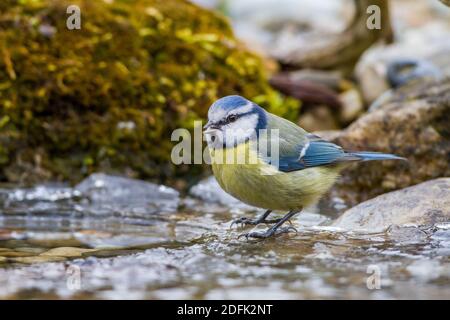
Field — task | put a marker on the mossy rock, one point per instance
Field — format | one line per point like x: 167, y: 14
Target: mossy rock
x: 108, y: 96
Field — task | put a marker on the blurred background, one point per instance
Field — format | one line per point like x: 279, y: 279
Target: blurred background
x: 106, y: 97
x: 91, y: 205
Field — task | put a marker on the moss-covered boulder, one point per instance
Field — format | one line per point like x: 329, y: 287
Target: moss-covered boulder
x: 106, y: 97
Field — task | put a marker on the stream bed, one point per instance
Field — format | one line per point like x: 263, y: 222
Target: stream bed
x: 119, y: 238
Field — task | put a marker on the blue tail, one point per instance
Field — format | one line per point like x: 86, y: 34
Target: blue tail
x: 368, y: 156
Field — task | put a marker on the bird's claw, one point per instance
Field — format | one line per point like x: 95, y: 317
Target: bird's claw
x: 268, y: 233
x: 247, y: 221
x: 244, y: 221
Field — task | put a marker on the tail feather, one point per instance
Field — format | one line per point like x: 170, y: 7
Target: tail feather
x: 368, y: 156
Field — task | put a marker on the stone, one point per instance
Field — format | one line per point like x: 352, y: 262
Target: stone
x: 107, y: 193
x: 427, y: 203
x: 98, y: 194
x: 30, y: 250
x: 412, y: 123
x: 428, y: 44
x: 37, y: 259
x: 68, y: 252
x: 115, y: 106
x: 12, y: 254
x: 209, y: 190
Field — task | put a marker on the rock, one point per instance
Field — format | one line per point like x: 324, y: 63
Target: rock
x: 401, y: 72
x: 3, y: 259
x: 37, y: 259
x: 109, y: 194
x: 352, y: 106
x: 68, y: 252
x: 12, y: 254
x: 139, y: 71
x: 50, y: 193
x: 33, y: 250
x: 427, y: 203
x: 99, y: 194
x: 318, y: 118
x: 412, y: 123
x: 209, y: 190
x: 41, y: 199
x: 427, y: 44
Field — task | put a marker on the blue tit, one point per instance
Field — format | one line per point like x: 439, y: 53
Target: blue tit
x: 290, y: 177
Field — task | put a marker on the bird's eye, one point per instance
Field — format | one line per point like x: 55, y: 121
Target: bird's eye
x: 231, y: 118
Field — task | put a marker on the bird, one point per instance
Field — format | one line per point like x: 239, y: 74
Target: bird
x: 285, y: 171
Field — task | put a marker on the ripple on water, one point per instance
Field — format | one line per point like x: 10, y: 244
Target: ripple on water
x: 191, y: 252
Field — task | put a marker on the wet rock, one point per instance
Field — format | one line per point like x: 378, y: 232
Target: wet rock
x: 12, y: 254
x: 32, y: 250
x: 52, y: 241
x: 37, y: 259
x: 119, y: 194
x: 427, y: 203
x: 413, y: 123
x: 209, y: 190
x: 97, y: 195
x: 41, y: 199
x: 68, y: 252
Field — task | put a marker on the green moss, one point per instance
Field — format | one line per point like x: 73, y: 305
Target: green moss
x: 108, y: 96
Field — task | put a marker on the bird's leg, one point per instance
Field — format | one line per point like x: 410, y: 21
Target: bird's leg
x: 275, y: 229
x: 260, y: 219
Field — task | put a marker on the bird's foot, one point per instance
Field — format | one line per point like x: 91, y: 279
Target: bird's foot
x: 244, y: 221
x: 272, y: 232
x: 247, y: 221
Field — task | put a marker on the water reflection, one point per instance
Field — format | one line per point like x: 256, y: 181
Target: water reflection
x: 192, y: 253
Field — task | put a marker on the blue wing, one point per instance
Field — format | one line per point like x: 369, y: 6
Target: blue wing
x: 299, y: 149
x: 315, y: 152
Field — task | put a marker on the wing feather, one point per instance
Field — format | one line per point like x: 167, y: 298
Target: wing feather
x: 300, y: 150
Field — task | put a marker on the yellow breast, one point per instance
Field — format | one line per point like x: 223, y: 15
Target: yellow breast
x: 261, y: 185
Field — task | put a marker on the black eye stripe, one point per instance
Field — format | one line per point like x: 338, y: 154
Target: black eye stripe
x: 226, y: 120
x: 236, y: 116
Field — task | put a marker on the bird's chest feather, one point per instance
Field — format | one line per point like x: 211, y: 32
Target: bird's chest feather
x: 247, y: 180
x: 259, y: 184
x: 235, y: 167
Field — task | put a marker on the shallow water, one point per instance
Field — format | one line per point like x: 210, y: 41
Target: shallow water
x: 58, y: 242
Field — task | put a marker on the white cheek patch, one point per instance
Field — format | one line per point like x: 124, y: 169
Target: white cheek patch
x: 241, y: 130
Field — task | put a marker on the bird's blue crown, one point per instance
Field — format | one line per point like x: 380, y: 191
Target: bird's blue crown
x: 230, y: 102
x: 234, y: 102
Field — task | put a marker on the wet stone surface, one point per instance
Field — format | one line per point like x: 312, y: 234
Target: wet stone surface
x: 54, y: 245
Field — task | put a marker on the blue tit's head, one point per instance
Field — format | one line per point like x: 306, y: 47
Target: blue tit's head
x: 233, y: 120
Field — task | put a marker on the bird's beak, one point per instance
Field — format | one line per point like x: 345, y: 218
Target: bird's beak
x: 210, y: 128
